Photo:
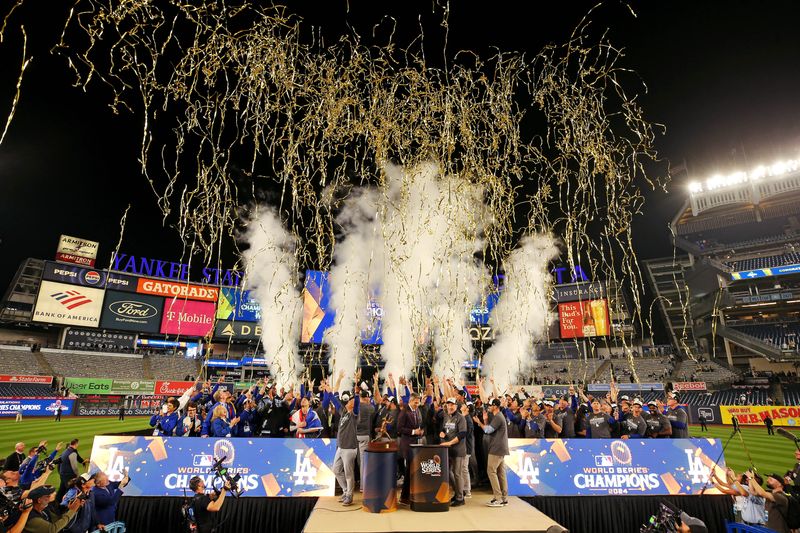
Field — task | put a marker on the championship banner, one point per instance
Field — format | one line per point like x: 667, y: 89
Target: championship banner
x: 44, y: 380
x: 590, y: 467
x: 238, y: 305
x: 78, y: 251
x: 163, y: 466
x: 754, y: 415
x: 71, y: 305
x: 688, y: 385
x: 36, y: 406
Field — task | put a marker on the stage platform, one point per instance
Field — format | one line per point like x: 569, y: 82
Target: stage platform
x: 329, y: 516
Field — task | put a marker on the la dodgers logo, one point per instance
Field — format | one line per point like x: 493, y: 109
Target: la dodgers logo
x: 697, y: 469
x: 304, y: 472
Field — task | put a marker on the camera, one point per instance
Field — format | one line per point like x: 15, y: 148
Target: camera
x: 48, y: 463
x: 10, y: 507
x: 665, y: 521
x: 222, y: 476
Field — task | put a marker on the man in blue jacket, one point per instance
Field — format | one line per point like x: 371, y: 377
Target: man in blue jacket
x: 166, y: 421
x: 106, y: 497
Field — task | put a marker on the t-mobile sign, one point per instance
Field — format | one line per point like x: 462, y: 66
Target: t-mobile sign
x: 187, y: 317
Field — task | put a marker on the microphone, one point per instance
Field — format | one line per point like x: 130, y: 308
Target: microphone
x: 791, y: 436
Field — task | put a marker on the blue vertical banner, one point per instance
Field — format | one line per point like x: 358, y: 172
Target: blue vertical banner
x: 590, y: 467
x: 163, y: 466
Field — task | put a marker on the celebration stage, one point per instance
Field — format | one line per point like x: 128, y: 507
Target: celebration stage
x: 583, y: 485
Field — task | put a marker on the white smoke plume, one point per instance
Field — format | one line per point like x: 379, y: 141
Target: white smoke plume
x: 355, y: 258
x: 521, y: 315
x: 415, y: 239
x: 271, y: 267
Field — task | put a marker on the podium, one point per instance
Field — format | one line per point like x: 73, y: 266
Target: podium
x: 430, y: 478
x: 380, y: 479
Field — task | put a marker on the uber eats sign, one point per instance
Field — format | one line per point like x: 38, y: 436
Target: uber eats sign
x: 109, y: 386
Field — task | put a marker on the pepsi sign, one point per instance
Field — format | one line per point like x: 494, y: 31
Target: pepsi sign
x: 74, y: 274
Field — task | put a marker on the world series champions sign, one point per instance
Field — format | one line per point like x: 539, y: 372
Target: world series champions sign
x: 163, y: 466
x: 590, y: 467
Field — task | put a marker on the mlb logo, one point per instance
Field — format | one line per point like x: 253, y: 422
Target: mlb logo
x: 603, y: 460
x: 203, y: 460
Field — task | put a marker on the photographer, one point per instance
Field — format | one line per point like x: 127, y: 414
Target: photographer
x: 81, y: 489
x: 68, y: 468
x: 204, y: 505
x: 44, y: 520
x: 31, y: 468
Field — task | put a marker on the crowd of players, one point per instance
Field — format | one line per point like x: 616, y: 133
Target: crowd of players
x: 443, y: 412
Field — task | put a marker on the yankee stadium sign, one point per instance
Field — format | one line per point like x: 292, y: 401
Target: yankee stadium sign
x: 144, y: 266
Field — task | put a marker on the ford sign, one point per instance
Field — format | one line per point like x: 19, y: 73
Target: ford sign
x: 133, y: 309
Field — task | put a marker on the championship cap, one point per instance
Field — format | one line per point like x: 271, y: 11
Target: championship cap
x: 451, y: 400
x: 38, y: 492
x: 345, y: 396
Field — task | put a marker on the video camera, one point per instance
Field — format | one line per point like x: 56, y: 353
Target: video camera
x: 48, y: 463
x: 10, y: 508
x: 666, y: 520
x: 222, y: 476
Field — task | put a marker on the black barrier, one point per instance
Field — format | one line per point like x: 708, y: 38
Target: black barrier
x: 89, y: 410
x: 710, y: 412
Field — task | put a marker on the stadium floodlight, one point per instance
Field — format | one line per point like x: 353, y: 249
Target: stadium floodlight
x: 719, y: 181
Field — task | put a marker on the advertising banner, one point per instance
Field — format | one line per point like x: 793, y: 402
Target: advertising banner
x: 766, y: 272
x: 588, y: 318
x: 91, y: 339
x: 106, y: 386
x: 710, y: 412
x: 36, y: 406
x: 121, y: 282
x: 71, y: 305
x: 688, y: 385
x: 187, y: 317
x: 108, y: 405
x: 171, y: 289
x: 268, y: 467
x: 237, y: 331
x: 74, y: 274
x: 579, y: 291
x: 754, y: 415
x: 172, y: 388
x: 581, y: 467
x: 626, y: 387
x: 238, y: 305
x: 78, y: 251
x: 44, y: 380
x: 132, y: 312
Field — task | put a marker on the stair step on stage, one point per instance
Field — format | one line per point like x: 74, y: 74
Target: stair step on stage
x: 329, y: 516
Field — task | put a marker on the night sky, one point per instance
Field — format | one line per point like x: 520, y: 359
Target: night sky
x: 723, y: 78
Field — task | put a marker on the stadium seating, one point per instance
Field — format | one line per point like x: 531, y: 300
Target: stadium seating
x: 704, y: 370
x: 566, y: 371
x: 724, y: 397
x: 784, y: 336
x: 648, y: 369
x: 768, y: 261
x: 65, y: 363
x: 19, y: 390
x: 172, y: 367
x: 19, y: 362
x: 791, y: 394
